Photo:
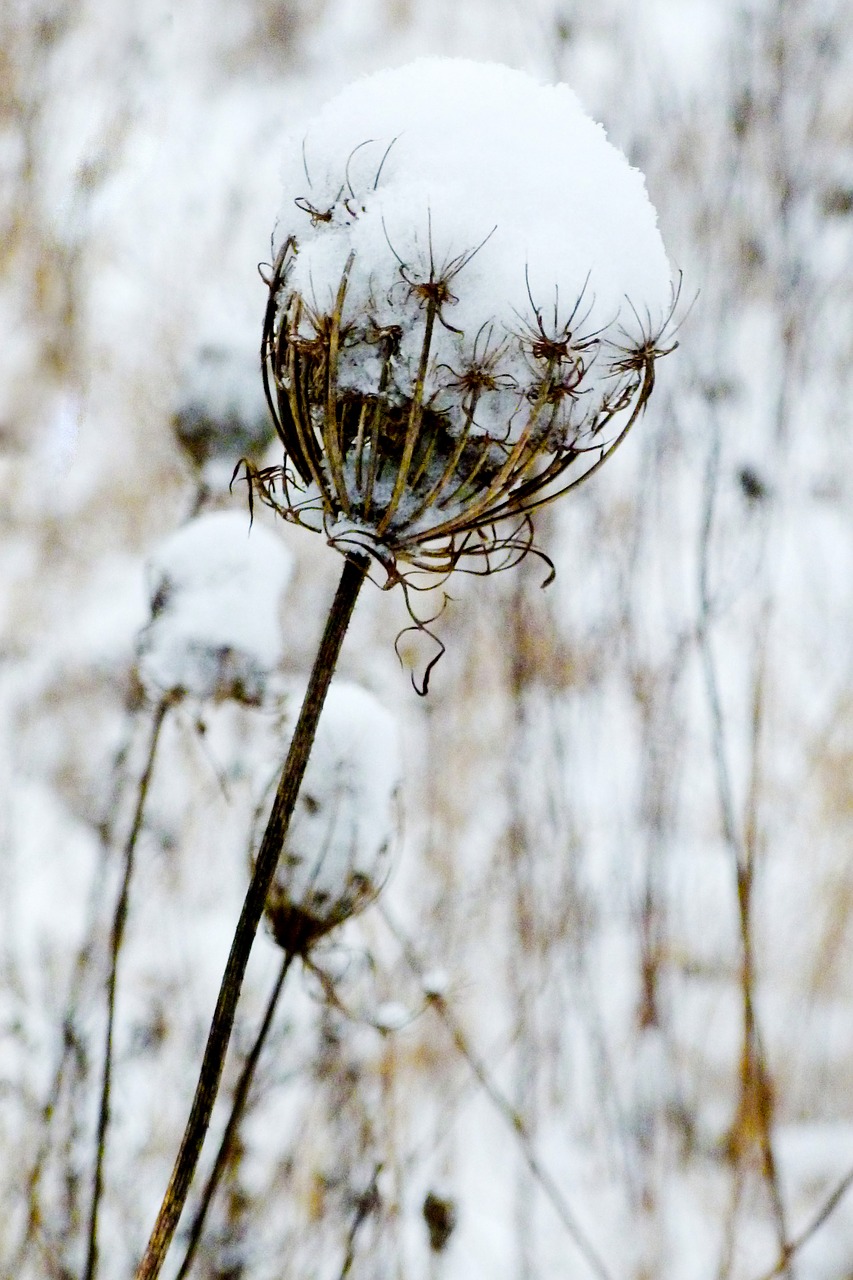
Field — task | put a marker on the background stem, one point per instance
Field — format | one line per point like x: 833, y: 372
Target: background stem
x: 238, y: 1105
x: 116, y: 940
x: 354, y: 573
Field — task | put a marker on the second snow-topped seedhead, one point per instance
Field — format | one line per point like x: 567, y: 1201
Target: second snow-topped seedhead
x: 464, y: 314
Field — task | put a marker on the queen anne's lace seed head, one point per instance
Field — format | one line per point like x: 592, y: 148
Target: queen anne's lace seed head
x: 464, y: 313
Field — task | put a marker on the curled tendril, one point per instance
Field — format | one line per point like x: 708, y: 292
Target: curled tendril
x: 421, y: 626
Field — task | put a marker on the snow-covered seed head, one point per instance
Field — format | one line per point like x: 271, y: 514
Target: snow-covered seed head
x: 339, y: 843
x: 464, y: 313
x: 214, y: 630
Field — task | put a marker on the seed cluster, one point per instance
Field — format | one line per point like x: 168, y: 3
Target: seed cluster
x: 463, y: 317
x: 407, y: 468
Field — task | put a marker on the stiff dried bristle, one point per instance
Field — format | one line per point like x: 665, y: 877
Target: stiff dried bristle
x: 418, y: 478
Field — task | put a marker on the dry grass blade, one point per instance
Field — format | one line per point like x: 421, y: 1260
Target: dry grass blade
x: 505, y: 1109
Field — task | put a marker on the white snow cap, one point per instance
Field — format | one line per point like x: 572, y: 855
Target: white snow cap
x: 499, y: 184
x: 343, y: 829
x: 215, y: 590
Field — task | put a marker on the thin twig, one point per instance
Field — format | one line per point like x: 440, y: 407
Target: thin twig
x: 116, y: 940
x: 755, y: 1100
x: 69, y: 1035
x: 352, y: 578
x: 813, y: 1227
x: 367, y: 1203
x: 48, y: 1110
x: 504, y: 1107
x: 238, y: 1105
x: 524, y: 919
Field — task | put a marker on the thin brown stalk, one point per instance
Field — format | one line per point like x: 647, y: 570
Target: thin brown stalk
x: 238, y: 1106
x: 34, y: 1177
x: 368, y: 1203
x: 298, y: 398
x: 414, y: 423
x: 754, y: 1119
x: 116, y: 941
x: 524, y: 944
x: 433, y: 496
x: 331, y: 425
x: 352, y: 578
x: 824, y: 1213
x: 359, y: 446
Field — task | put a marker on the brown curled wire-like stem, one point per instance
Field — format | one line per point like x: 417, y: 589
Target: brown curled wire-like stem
x: 421, y: 626
x: 210, y: 1075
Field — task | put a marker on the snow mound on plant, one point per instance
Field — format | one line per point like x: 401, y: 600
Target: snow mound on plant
x: 215, y: 591
x: 343, y: 829
x: 476, y: 174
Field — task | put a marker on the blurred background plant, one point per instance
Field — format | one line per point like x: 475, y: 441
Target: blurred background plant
x: 607, y: 997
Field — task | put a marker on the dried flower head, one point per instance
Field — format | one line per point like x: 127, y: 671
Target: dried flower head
x: 464, y: 313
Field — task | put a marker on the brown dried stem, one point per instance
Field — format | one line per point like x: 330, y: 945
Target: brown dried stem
x: 238, y: 1106
x: 504, y: 1107
x: 116, y: 940
x: 352, y: 578
x: 823, y: 1214
x: 753, y: 1123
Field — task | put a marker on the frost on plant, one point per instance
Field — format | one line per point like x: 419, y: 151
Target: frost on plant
x: 465, y: 310
x: 214, y: 630
x: 340, y: 838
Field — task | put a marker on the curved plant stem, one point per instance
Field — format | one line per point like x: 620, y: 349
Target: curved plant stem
x: 826, y: 1210
x: 237, y: 1107
x: 354, y: 573
x: 116, y: 940
x: 503, y: 1106
x: 368, y: 1202
x: 753, y: 1122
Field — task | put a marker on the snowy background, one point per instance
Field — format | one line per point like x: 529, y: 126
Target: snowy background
x: 603, y: 1012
